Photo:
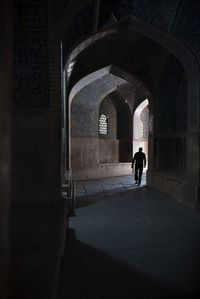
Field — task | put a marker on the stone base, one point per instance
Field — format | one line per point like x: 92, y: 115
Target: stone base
x: 102, y: 171
x: 175, y: 185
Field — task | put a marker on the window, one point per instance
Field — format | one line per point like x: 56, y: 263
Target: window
x: 141, y: 129
x: 103, y: 125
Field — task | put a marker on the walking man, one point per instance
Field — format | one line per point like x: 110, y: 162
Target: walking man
x: 140, y: 161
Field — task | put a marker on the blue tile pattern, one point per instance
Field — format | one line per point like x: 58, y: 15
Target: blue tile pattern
x: 31, y: 54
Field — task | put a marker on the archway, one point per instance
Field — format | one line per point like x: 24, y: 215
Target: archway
x: 141, y: 128
x: 119, y: 79
x: 172, y: 48
x: 93, y: 154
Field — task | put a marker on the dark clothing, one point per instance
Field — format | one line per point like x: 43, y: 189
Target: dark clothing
x: 138, y: 173
x: 140, y: 161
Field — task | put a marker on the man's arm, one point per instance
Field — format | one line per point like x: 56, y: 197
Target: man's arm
x: 133, y: 161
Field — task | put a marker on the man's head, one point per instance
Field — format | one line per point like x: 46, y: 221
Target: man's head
x: 140, y: 149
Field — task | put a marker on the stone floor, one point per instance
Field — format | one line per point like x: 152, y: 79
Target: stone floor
x: 130, y: 242
x: 91, y: 191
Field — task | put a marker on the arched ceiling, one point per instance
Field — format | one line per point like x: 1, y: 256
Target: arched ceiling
x: 93, y: 93
x: 125, y: 48
x: 111, y: 80
x: 85, y: 104
x: 138, y: 36
x: 87, y: 94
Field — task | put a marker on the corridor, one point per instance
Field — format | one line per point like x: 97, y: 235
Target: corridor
x: 83, y: 85
x: 133, y: 243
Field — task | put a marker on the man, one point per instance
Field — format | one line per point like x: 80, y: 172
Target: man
x: 140, y: 161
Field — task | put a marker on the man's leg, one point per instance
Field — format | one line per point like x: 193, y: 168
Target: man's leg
x: 140, y: 175
x: 136, y: 173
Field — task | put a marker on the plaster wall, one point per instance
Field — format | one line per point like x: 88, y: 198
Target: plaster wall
x: 96, y: 158
x: 176, y: 166
x: 102, y: 171
x: 109, y: 150
x: 90, y: 152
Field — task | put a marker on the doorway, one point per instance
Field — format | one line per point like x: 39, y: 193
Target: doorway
x: 141, y: 129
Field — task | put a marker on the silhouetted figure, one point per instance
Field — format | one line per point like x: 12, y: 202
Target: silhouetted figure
x: 140, y: 161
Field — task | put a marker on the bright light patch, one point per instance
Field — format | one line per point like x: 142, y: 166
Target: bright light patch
x: 103, y: 125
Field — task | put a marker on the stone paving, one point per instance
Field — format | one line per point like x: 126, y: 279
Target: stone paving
x: 134, y: 243
x: 91, y: 191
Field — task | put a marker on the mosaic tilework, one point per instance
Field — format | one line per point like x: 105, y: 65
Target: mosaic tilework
x: 167, y: 97
x: 188, y: 24
x: 31, y: 54
x: 82, y: 24
x: 61, y: 6
x: 144, y: 9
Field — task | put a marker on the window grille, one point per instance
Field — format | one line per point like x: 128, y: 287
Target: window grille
x: 141, y: 129
x: 103, y: 125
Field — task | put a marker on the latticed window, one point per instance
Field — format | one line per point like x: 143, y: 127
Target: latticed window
x: 141, y: 129
x: 103, y: 125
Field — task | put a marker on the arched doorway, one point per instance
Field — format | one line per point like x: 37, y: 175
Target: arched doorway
x: 166, y: 47
x: 141, y: 128
x: 100, y: 149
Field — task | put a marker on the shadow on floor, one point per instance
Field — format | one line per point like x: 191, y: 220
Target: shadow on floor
x: 87, y: 273
x: 82, y: 201
x: 88, y: 192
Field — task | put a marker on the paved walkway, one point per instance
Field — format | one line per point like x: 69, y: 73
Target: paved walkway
x: 91, y: 191
x: 134, y: 243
